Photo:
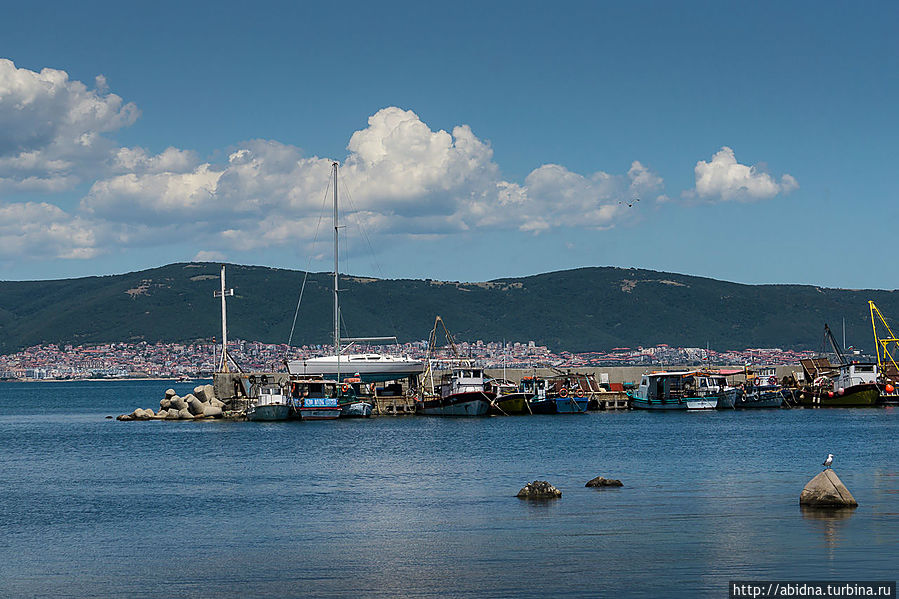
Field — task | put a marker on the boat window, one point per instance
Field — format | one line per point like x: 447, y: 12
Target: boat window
x: 476, y: 373
x: 864, y: 368
x: 644, y: 380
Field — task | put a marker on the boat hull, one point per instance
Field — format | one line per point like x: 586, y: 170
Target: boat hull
x: 513, y: 403
x: 760, y: 399
x: 702, y: 403
x: 655, y: 404
x: 458, y: 404
x: 269, y: 413
x: 357, y: 409
x: 319, y: 413
x: 857, y: 396
x: 571, y: 405
x: 371, y: 368
x: 543, y: 406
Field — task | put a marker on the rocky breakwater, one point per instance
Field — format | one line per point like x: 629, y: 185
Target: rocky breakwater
x: 198, y: 405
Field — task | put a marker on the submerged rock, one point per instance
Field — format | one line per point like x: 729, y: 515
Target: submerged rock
x: 826, y: 490
x: 539, y: 489
x: 604, y: 482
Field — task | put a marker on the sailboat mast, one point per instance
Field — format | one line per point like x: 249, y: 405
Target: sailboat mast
x: 336, y: 304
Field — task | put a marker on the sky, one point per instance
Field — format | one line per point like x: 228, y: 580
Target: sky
x: 750, y: 142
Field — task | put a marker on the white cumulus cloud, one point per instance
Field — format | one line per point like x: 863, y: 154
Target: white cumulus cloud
x: 726, y: 179
x: 52, y: 129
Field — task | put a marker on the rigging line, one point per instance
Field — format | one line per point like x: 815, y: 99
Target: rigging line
x: 371, y: 251
x: 308, y: 263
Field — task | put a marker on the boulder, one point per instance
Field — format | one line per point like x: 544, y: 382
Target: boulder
x: 539, y: 489
x: 138, y: 414
x: 826, y: 490
x: 185, y: 414
x: 209, y: 390
x: 172, y: 414
x: 170, y: 393
x: 124, y: 417
x: 149, y: 413
x: 216, y: 403
x: 604, y: 482
x: 194, y: 405
x: 177, y: 403
x: 161, y: 415
x: 212, y: 411
x: 165, y: 403
x: 200, y: 393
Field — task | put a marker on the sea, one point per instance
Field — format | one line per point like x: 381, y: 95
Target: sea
x: 425, y: 507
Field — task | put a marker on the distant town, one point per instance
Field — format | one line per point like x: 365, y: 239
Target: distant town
x: 173, y: 360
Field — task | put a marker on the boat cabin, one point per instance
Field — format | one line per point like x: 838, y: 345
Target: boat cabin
x: 855, y: 374
x: 463, y: 380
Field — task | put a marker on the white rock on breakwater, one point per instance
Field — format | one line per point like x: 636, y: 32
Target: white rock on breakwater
x: 198, y: 405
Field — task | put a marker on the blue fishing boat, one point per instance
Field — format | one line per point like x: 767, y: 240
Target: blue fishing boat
x: 315, y: 398
x: 761, y: 390
x: 556, y: 395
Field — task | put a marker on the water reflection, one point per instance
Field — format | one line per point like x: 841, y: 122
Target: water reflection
x: 830, y: 522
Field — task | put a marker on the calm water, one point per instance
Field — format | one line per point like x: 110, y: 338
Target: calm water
x: 425, y: 507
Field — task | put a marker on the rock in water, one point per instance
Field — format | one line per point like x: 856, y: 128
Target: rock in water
x: 828, y: 491
x: 194, y: 405
x: 172, y: 414
x: 539, y: 489
x: 216, y: 403
x: 170, y: 393
x: 177, y: 403
x: 209, y: 390
x: 200, y: 393
x: 604, y: 482
x: 165, y: 404
x: 212, y: 411
x: 185, y: 414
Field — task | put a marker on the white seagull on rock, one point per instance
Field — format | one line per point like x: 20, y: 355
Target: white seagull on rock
x: 828, y: 461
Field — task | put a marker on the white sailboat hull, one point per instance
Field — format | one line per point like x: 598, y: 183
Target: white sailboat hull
x: 369, y: 367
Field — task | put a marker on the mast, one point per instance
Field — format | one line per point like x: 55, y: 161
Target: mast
x: 223, y: 294
x: 336, y: 266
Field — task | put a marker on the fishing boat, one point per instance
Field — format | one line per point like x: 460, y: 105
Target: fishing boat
x: 463, y: 392
x: 682, y: 390
x: 315, y: 398
x: 554, y: 396
x: 509, y: 400
x: 761, y: 390
x: 852, y: 385
x: 351, y: 404
x: 847, y: 384
x: 887, y: 347
x: 270, y: 404
x: 370, y: 367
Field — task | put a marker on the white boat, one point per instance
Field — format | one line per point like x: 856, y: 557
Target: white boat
x: 270, y: 404
x: 370, y: 367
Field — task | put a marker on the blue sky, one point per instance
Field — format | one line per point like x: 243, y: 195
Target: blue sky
x: 478, y: 140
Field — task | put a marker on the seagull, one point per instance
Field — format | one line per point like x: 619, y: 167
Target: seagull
x: 630, y: 204
x: 828, y: 461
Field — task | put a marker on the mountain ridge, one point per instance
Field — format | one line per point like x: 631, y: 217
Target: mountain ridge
x: 579, y: 309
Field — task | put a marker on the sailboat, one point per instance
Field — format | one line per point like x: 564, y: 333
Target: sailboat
x: 364, y: 367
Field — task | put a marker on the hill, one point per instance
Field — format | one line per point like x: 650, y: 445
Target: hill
x: 578, y: 310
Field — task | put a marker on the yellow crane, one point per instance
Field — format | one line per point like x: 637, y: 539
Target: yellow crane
x: 887, y: 346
